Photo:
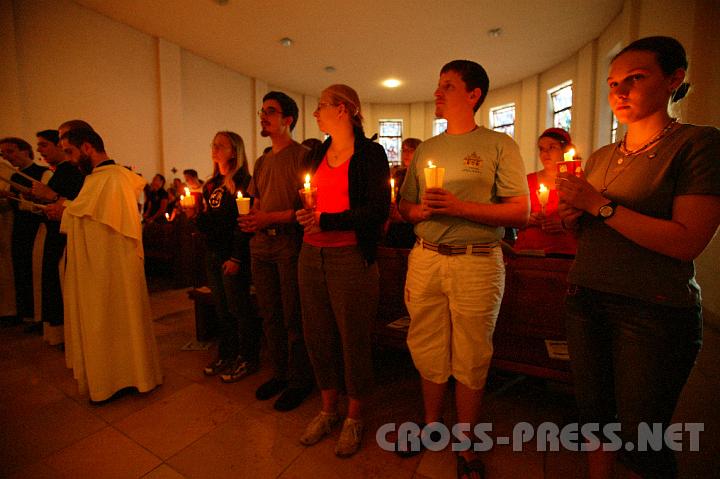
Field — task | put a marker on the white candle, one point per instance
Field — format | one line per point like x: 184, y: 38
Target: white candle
x: 243, y: 203
x: 434, y: 176
x: 543, y: 193
x: 392, y: 190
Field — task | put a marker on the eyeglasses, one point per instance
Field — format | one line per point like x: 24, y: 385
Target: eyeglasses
x: 550, y: 149
x: 269, y: 112
x: 322, y: 105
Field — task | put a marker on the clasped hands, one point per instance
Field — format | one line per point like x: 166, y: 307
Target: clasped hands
x: 576, y: 197
x: 437, y: 201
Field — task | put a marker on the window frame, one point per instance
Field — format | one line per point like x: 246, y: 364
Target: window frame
x: 503, y: 127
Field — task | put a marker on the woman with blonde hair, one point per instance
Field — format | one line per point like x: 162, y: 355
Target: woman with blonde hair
x: 337, y: 272
x: 228, y: 261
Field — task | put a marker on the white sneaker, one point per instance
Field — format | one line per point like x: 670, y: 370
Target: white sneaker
x: 350, y: 437
x: 319, y: 427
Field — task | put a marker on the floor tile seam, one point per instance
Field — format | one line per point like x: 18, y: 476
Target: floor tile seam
x: 123, y: 433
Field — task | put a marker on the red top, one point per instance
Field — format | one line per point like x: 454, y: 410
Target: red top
x: 533, y: 237
x: 332, y: 197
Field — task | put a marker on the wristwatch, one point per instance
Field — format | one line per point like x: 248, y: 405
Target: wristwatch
x: 607, y: 211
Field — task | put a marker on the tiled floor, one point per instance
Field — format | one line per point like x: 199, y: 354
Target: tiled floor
x: 195, y: 427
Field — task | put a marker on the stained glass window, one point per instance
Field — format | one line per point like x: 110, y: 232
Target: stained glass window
x: 502, y: 119
x: 390, y: 137
x: 561, y: 98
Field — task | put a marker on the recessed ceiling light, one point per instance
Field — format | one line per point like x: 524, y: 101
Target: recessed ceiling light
x: 494, y: 32
x: 330, y: 69
x: 391, y: 83
x: 286, y: 42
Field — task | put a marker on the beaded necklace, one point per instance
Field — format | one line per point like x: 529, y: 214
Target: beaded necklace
x: 654, y: 139
x: 632, y: 154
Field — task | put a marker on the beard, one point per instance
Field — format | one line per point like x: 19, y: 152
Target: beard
x: 85, y: 164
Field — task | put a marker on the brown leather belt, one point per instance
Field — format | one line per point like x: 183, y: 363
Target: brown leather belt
x: 477, y: 249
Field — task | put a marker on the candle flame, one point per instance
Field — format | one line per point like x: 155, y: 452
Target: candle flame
x: 542, y: 187
x: 392, y: 182
x: 182, y: 197
x: 187, y: 191
x: 569, y: 155
x: 307, y: 178
x: 239, y: 195
x: 430, y: 164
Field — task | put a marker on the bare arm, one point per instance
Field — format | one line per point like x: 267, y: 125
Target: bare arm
x: 695, y: 219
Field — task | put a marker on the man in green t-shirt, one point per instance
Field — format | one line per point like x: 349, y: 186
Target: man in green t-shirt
x: 456, y: 275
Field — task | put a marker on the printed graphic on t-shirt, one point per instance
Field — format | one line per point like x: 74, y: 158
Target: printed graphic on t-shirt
x: 473, y: 163
x: 216, y: 198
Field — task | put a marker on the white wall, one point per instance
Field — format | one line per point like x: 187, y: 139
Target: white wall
x: 73, y: 63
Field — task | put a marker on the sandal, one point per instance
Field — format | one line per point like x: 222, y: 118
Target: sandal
x: 465, y: 468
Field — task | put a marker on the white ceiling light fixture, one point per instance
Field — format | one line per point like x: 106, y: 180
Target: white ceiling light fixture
x: 286, y: 41
x: 391, y: 83
x: 494, y: 32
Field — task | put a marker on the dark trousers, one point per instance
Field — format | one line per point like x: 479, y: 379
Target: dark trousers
x: 238, y: 327
x: 630, y: 360
x: 276, y: 285
x: 25, y: 228
x: 339, y: 293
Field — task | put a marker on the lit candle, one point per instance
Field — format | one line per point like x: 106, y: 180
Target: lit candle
x: 191, y: 200
x: 243, y: 203
x: 307, y: 182
x: 434, y: 176
x: 542, y: 193
x: 392, y: 190
x: 570, y: 165
x: 167, y: 216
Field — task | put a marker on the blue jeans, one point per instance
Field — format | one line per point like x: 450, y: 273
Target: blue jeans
x: 630, y: 360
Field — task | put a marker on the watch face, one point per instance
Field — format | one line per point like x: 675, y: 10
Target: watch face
x: 606, y: 211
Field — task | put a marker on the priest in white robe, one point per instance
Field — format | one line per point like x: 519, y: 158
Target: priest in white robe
x: 109, y: 339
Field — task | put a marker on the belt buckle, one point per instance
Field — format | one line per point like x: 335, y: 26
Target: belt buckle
x: 444, y: 249
x: 271, y: 231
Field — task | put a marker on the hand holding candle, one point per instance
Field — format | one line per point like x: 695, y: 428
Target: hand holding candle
x: 308, y: 194
x: 434, y: 176
x: 243, y: 203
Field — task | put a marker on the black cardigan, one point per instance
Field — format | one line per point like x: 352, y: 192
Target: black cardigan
x: 369, y: 191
